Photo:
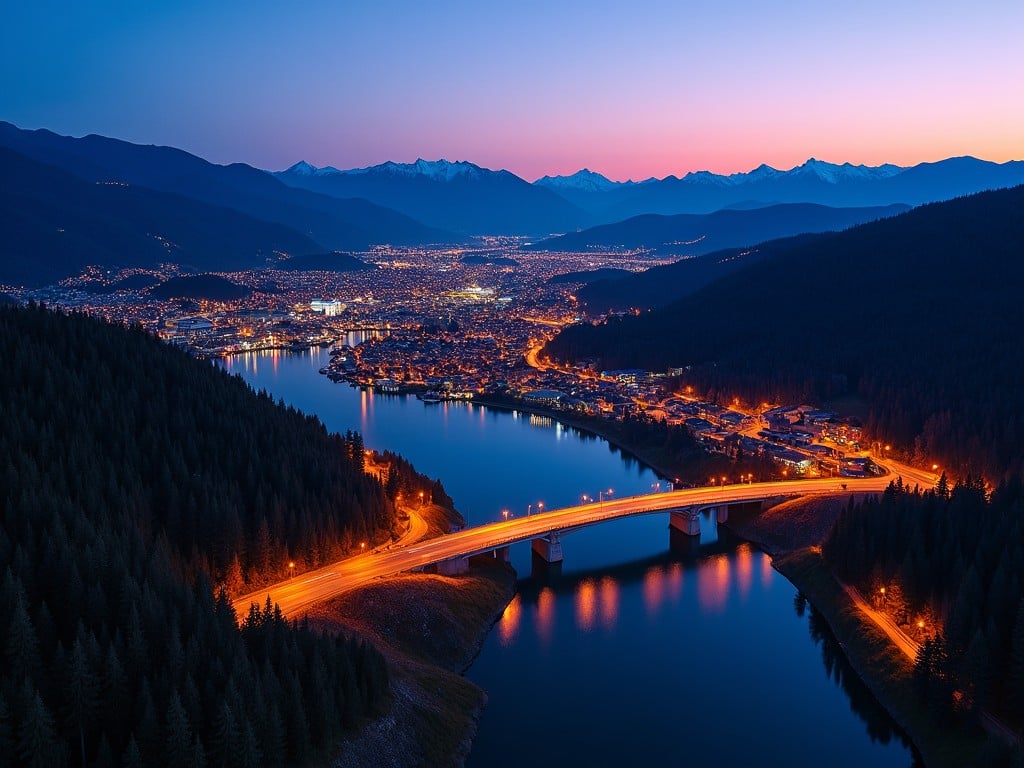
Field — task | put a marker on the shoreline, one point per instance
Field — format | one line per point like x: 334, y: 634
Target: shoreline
x: 590, y: 425
x: 883, y: 668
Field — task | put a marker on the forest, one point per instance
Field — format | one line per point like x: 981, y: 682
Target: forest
x: 916, y: 319
x: 948, y: 564
x: 134, y: 482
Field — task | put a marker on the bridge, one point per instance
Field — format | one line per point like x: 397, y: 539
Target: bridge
x: 452, y: 551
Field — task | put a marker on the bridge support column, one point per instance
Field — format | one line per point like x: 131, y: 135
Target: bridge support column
x: 453, y: 567
x: 549, y: 548
x: 504, y: 554
x: 686, y: 520
x: 722, y: 514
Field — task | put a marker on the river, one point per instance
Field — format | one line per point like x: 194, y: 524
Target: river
x: 640, y: 649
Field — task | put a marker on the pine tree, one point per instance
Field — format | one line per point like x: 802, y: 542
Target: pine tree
x: 6, y: 735
x: 80, y: 696
x: 38, y: 745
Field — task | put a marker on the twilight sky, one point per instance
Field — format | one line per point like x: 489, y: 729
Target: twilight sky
x: 630, y: 89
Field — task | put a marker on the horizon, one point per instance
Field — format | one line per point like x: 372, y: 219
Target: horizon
x: 529, y: 179
x: 650, y: 91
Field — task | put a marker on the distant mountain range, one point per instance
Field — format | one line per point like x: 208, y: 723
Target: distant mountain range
x: 813, y: 182
x: 460, y: 196
x: 466, y: 198
x: 694, y: 234
x: 336, y: 224
x: 97, y: 200
x: 53, y: 223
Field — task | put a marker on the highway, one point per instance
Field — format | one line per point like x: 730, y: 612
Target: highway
x: 300, y: 592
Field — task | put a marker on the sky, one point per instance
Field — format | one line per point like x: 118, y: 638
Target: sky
x: 629, y: 89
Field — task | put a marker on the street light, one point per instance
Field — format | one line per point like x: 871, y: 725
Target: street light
x: 362, y: 546
x: 291, y: 568
x: 421, y: 498
x: 540, y: 507
x: 504, y: 513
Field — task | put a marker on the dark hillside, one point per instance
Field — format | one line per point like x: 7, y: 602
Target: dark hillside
x: 919, y: 315
x: 131, y: 478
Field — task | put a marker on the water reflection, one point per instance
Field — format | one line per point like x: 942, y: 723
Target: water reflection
x: 586, y: 605
x: 545, y: 614
x: 880, y: 727
x: 609, y: 602
x: 744, y: 569
x: 508, y: 624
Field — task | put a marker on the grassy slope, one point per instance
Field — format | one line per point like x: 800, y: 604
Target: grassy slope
x: 429, y: 629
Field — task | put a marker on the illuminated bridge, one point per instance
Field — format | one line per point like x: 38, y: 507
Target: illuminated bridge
x: 451, y: 552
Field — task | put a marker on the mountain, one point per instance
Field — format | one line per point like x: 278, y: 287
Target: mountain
x: 815, y: 181
x: 54, y: 223
x: 589, y: 276
x: 584, y: 188
x: 333, y: 223
x: 915, y: 319
x: 210, y: 287
x: 457, y: 196
x: 324, y: 262
x: 694, y: 234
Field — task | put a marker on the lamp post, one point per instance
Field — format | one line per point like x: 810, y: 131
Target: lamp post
x: 291, y: 568
x: 504, y: 514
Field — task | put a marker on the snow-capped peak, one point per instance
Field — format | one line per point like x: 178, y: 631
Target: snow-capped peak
x: 302, y: 168
x: 439, y: 170
x: 585, y: 179
x: 833, y: 174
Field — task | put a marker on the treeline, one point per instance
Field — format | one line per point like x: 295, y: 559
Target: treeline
x: 111, y: 660
x: 237, y: 484
x: 917, y: 316
x: 131, y: 476
x: 953, y: 560
x: 404, y: 481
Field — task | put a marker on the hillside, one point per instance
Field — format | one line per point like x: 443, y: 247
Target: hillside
x: 333, y: 223
x: 134, y: 478
x: 211, y: 287
x: 54, y: 223
x: 693, y: 235
x: 323, y: 262
x: 916, y: 316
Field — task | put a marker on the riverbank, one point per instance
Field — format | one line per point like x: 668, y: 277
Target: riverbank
x: 692, y: 467
x: 429, y: 628
x: 792, y: 533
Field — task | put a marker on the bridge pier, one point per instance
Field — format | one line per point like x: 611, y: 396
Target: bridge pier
x: 686, y: 520
x: 453, y: 567
x: 549, y: 548
x: 504, y: 554
x: 722, y: 513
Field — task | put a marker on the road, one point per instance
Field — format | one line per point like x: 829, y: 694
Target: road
x: 298, y: 593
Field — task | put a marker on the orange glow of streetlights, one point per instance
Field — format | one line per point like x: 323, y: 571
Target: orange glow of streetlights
x: 291, y: 568
x: 362, y: 546
x: 421, y: 498
x: 935, y: 467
